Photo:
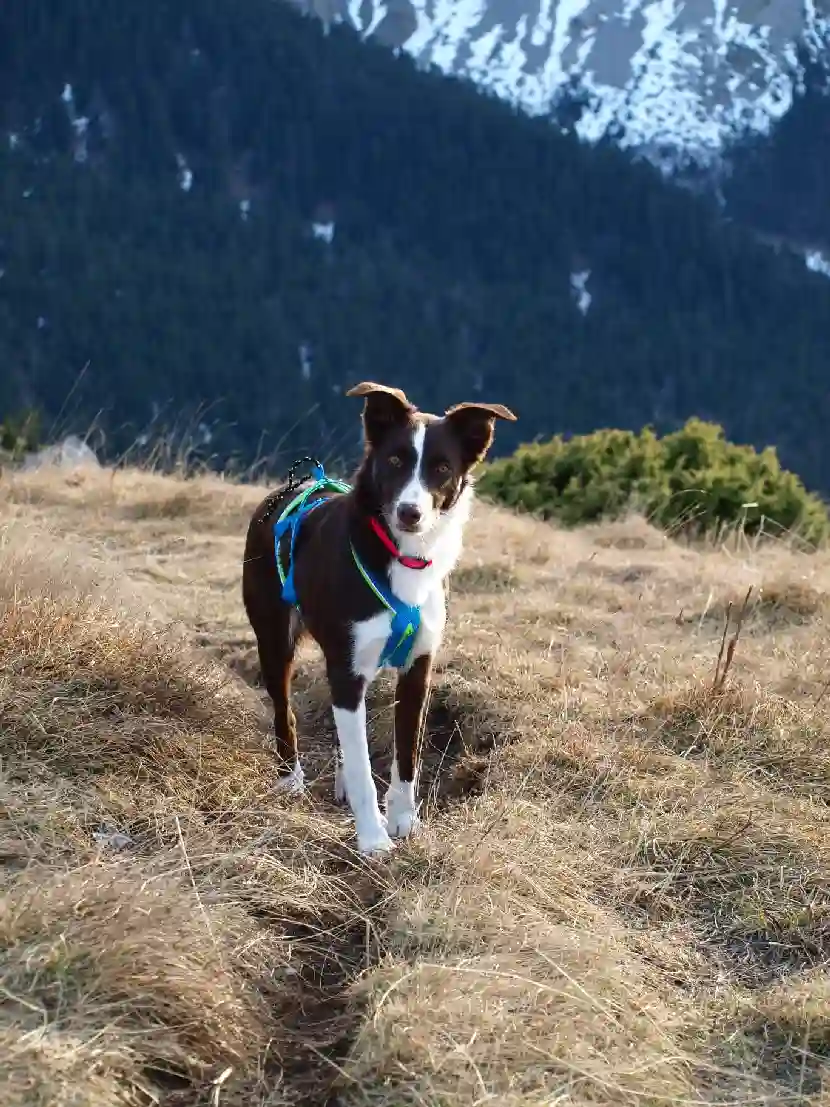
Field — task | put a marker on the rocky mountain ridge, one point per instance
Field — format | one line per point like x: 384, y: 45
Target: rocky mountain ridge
x: 678, y: 78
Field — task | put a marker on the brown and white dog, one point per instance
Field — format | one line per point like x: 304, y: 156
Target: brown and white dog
x: 408, y: 506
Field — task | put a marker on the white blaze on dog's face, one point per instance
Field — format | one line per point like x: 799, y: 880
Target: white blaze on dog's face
x: 414, y: 511
x: 419, y: 463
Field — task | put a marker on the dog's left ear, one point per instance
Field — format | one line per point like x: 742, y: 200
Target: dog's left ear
x: 474, y: 425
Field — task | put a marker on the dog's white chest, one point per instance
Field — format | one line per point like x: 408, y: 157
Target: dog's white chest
x: 371, y: 635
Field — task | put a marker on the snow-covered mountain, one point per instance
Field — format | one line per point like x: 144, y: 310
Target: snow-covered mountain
x: 680, y: 76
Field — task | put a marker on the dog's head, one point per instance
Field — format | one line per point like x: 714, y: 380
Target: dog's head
x: 416, y: 464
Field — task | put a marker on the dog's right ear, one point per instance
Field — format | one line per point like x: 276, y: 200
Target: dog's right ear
x: 384, y: 408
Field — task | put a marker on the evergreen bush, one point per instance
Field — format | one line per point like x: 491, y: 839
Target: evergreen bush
x: 691, y: 480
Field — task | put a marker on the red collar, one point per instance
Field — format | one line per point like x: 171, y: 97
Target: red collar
x: 402, y: 559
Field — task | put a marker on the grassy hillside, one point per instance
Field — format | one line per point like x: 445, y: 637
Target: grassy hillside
x: 619, y: 896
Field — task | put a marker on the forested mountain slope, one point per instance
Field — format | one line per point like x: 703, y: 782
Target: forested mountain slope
x: 221, y: 204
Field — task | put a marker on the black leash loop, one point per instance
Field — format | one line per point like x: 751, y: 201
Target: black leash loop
x: 292, y: 483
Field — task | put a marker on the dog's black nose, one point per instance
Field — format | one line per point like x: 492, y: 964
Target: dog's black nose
x: 409, y: 516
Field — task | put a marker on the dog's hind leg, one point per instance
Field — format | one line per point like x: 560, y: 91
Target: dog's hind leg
x: 277, y: 637
x: 278, y: 629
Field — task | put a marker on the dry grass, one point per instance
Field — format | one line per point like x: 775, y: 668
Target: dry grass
x: 620, y: 895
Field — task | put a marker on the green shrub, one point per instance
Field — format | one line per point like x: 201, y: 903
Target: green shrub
x: 19, y: 434
x: 691, y: 480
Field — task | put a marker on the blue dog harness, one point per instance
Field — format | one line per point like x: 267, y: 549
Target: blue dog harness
x: 406, y: 619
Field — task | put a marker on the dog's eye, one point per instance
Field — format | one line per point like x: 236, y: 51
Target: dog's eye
x: 442, y: 468
x: 395, y: 461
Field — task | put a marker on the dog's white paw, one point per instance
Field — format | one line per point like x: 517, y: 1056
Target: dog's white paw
x: 292, y: 783
x: 374, y: 842
x: 401, y: 811
x: 403, y: 824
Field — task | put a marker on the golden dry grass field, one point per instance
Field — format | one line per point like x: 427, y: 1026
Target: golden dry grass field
x: 620, y: 896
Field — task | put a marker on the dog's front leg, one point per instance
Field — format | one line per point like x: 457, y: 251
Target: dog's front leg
x: 348, y: 696
x: 410, y: 709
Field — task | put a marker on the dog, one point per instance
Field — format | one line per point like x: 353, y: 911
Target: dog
x: 362, y: 569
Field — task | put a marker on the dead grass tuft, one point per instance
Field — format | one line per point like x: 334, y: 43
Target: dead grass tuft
x: 176, y: 506
x: 83, y: 690
x: 765, y: 737
x: 483, y: 578
x: 631, y: 533
x: 776, y: 603
x: 789, y: 1025
x: 793, y: 599
x: 531, y: 1016
x: 121, y: 973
